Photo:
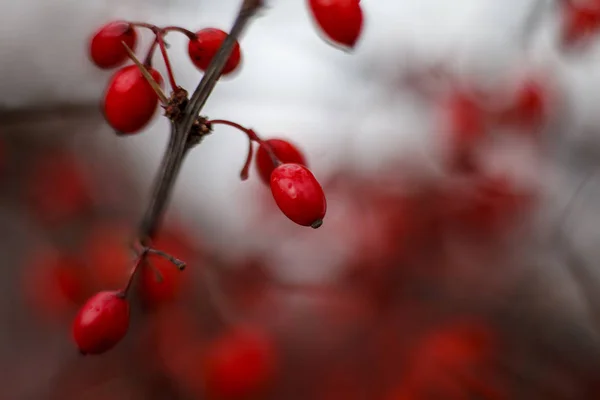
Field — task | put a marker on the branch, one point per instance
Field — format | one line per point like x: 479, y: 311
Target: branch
x: 179, y: 142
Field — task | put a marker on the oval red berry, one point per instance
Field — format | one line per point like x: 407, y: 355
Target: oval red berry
x: 130, y: 102
x: 340, y: 20
x: 205, y: 47
x: 106, y: 47
x: 240, y: 364
x: 298, y: 194
x: 101, y: 323
x: 284, y: 151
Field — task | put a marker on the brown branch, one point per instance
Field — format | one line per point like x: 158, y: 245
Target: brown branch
x: 180, y: 130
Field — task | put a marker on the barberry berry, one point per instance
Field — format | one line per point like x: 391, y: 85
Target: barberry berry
x: 340, y: 20
x: 206, y: 45
x: 240, y: 364
x: 130, y: 102
x: 298, y: 194
x: 101, y: 323
x: 580, y: 21
x: 283, y: 150
x: 106, y: 47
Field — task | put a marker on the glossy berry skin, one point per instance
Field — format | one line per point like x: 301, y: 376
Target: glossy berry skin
x: 130, y: 102
x: 106, y: 49
x: 101, y: 323
x: 284, y: 151
x: 298, y: 194
x: 240, y: 365
x: 205, y: 47
x: 340, y: 20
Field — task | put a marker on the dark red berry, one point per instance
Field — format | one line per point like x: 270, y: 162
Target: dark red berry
x: 298, y: 194
x: 101, y: 323
x: 283, y: 150
x: 340, y: 20
x: 130, y: 102
x: 240, y: 365
x: 106, y: 49
x: 205, y: 47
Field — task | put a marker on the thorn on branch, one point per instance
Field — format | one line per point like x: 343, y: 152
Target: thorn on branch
x: 175, y: 261
x: 159, y: 92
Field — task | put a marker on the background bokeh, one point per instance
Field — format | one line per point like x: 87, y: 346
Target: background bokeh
x: 391, y: 298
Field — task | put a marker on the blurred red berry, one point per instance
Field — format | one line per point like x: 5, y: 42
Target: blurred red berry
x: 57, y: 189
x: 105, y: 47
x: 206, y: 45
x: 109, y: 258
x: 340, y: 20
x: 130, y: 102
x: 55, y: 282
x: 101, y: 323
x: 298, y: 194
x: 529, y: 106
x: 580, y: 22
x: 466, y: 120
x: 283, y: 150
x: 240, y: 364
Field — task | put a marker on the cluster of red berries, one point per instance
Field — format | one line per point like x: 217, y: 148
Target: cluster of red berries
x: 130, y: 102
x: 471, y: 117
x: 103, y: 319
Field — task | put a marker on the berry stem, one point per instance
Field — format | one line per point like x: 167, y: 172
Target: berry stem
x: 163, y: 51
x: 252, y: 136
x: 150, y: 54
x: 191, y: 35
x: 139, y: 261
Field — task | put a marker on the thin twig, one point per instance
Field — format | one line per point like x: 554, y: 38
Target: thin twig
x: 180, y: 130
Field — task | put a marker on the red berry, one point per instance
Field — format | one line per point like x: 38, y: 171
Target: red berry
x: 530, y: 104
x: 579, y: 22
x: 106, y: 49
x: 54, y: 282
x: 106, y: 252
x: 284, y: 151
x: 298, y: 194
x: 130, y: 102
x: 101, y: 323
x: 205, y: 47
x: 58, y: 189
x: 467, y: 119
x: 240, y: 364
x: 340, y: 20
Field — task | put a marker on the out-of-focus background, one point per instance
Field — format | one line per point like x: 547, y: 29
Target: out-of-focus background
x: 423, y: 283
